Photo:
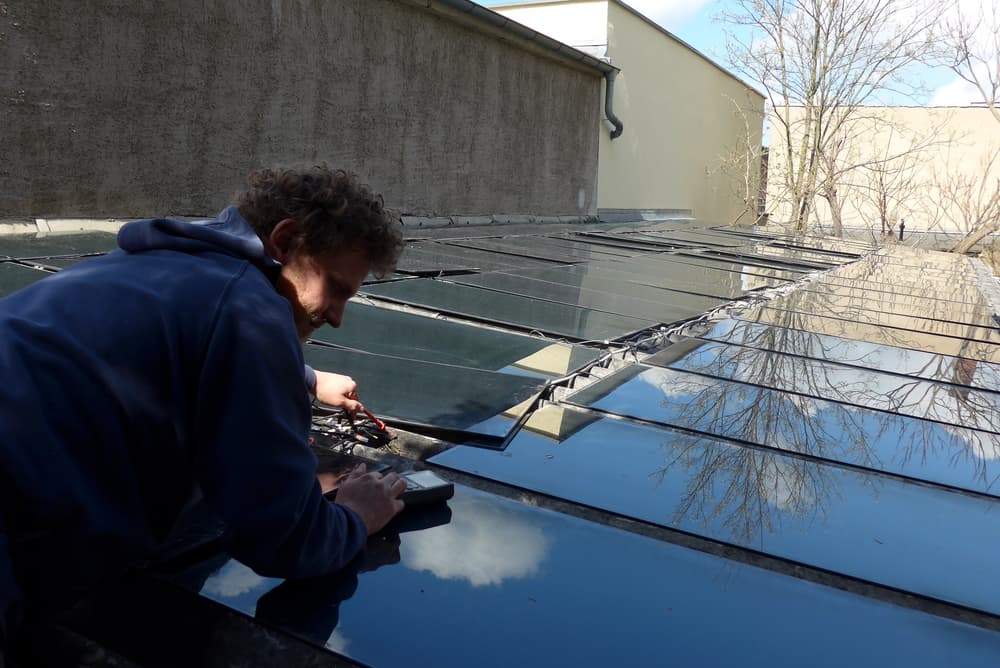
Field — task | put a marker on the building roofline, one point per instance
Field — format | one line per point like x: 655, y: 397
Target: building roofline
x: 638, y: 14
x: 487, y: 17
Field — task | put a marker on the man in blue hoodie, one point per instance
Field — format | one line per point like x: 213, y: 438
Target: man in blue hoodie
x: 172, y: 370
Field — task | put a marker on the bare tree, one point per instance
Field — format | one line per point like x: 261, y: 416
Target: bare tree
x: 819, y: 62
x: 883, y: 172
x: 741, y: 162
x: 970, y: 201
x: 970, y: 47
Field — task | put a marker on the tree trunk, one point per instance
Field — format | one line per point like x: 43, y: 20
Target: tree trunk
x: 975, y: 236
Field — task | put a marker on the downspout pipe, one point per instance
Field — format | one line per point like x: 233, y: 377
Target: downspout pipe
x: 609, y: 103
x: 500, y: 21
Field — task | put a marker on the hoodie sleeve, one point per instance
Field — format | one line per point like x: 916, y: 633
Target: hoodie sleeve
x: 251, y: 428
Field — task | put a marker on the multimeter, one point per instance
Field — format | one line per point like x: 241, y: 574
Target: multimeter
x: 425, y: 487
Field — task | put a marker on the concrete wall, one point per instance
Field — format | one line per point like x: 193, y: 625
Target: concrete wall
x: 121, y: 108
x: 688, y: 122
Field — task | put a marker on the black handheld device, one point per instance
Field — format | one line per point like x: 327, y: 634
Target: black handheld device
x: 425, y: 487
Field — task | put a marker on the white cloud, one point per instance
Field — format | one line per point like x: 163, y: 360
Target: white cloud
x: 337, y: 642
x: 957, y: 93
x: 232, y: 580
x: 671, y: 14
x: 484, y: 544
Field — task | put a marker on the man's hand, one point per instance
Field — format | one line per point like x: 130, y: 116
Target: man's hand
x: 338, y: 391
x: 373, y: 496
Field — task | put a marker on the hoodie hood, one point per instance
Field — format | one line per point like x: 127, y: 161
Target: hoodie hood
x: 229, y: 234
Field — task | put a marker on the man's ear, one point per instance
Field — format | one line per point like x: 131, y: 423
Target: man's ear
x: 283, y: 238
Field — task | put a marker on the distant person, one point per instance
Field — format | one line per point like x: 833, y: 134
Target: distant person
x: 171, y: 371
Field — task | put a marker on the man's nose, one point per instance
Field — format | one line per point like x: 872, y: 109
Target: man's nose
x: 335, y: 314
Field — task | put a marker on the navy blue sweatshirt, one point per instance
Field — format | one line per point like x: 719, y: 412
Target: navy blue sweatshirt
x: 130, y: 384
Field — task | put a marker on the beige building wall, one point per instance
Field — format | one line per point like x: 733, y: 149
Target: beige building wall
x: 934, y: 168
x: 688, y: 122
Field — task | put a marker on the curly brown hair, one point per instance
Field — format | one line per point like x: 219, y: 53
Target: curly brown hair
x: 334, y: 208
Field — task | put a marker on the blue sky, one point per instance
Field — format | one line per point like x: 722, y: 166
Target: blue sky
x: 693, y: 21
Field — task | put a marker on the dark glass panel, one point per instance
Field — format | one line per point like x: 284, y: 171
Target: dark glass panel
x: 858, y: 353
x: 644, y: 282
x: 668, y: 268
x: 780, y: 275
x: 884, y: 335
x: 921, y: 449
x: 608, y: 302
x: 432, y: 256
x: 701, y: 238
x: 799, y: 306
x: 842, y: 299
x: 532, y: 314
x: 942, y: 402
x: 32, y: 246
x: 392, y: 332
x: 507, y: 584
x: 14, y: 276
x: 620, y: 241
x: 921, y: 539
x: 745, y: 260
x: 535, y: 247
x: 447, y: 397
x: 578, y: 241
x: 770, y: 255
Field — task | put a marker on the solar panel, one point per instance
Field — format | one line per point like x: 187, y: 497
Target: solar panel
x: 418, y: 337
x: 931, y: 451
x: 34, y: 246
x: 436, y: 395
x: 520, y: 569
x: 661, y: 311
x: 867, y: 388
x: 859, y: 353
x: 15, y: 276
x: 526, y: 313
x: 858, y: 524
x: 891, y: 336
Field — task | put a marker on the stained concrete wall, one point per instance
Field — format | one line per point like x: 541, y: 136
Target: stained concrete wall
x: 122, y: 108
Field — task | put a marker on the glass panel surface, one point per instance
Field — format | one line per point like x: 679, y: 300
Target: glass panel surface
x: 888, y: 442
x: 506, y: 584
x: 433, y: 256
x: 582, y: 297
x: 763, y: 254
x: 942, y: 402
x: 448, y: 397
x: 13, y: 277
x: 620, y: 241
x: 391, y: 332
x: 803, y: 307
x: 744, y: 260
x: 913, y: 537
x: 664, y: 270
x: 57, y: 263
x: 32, y: 246
x: 839, y: 299
x: 885, y: 335
x: 931, y: 289
x: 780, y: 277
x: 857, y: 353
x: 701, y: 238
x: 637, y: 281
x: 533, y: 314
x: 533, y: 246
x: 577, y: 241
